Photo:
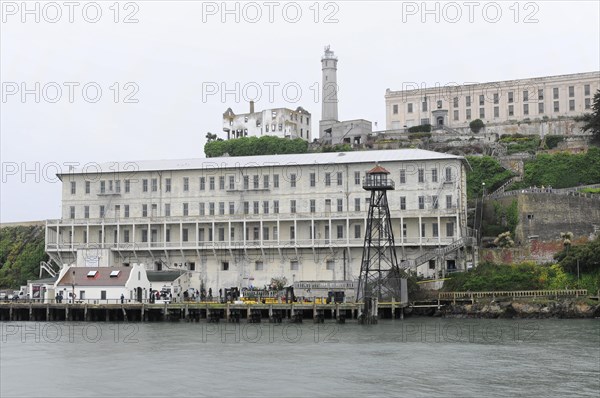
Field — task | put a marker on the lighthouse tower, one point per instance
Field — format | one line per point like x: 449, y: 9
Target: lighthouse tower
x: 329, y: 92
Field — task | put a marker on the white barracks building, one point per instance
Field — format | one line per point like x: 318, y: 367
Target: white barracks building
x: 240, y: 221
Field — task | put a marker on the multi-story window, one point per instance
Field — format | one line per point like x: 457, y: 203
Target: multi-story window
x: 186, y: 184
x: 450, y: 229
x: 525, y: 109
x: 357, y: 178
x: 571, y: 105
x: 292, y: 232
x: 340, y: 205
x: 356, y: 204
x: 275, y: 180
x: 154, y: 182
x: 481, y: 113
x: 126, y: 211
x: 167, y: 210
x: 293, y: 180
x: 313, y: 205
x: 421, y: 202
x: 72, y: 212
x: 555, y: 93
x: 231, y: 207
x: 540, y: 108
x: 211, y: 183
x: 448, y: 201
x: 255, y: 183
x: 202, y: 183
x: 266, y: 181
x: 402, y: 176
x: 255, y: 206
x: 73, y: 188
x: 330, y: 264
x: 511, y: 110
x: 221, y: 208
x: 395, y: 109
x: 434, y: 175
x: 144, y: 185
x: 340, y: 231
x: 86, y: 211
x: 402, y: 202
x: 246, y: 182
x: 211, y: 208
x: 340, y: 178
x: 482, y: 100
x: 357, y: 229
x: 293, y: 206
x: 448, y: 172
x: 313, y: 179
x: 231, y: 182
x: 327, y: 179
x: 434, y: 201
x: 468, y: 114
x: 511, y: 97
x: 556, y: 107
x: 101, y: 211
x: 201, y: 209
x: 468, y: 100
x: 571, y: 91
x: 221, y: 182
x: 185, y: 209
x: 541, y: 94
x: 496, y: 111
x: 421, y: 175
x: 266, y: 207
x: 88, y: 187
x: 434, y: 230
x: 276, y: 206
x: 246, y: 207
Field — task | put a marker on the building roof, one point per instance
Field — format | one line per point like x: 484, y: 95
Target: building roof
x: 163, y: 276
x: 102, y: 277
x: 234, y: 162
x: 378, y: 170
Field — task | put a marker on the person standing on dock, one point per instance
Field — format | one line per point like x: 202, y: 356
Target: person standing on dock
x: 122, y: 298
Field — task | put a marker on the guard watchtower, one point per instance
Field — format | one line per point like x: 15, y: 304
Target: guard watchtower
x: 379, y: 271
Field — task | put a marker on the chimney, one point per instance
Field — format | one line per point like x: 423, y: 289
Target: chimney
x: 251, y: 106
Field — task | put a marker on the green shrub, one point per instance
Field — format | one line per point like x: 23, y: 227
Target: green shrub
x: 424, y: 128
x: 476, y: 125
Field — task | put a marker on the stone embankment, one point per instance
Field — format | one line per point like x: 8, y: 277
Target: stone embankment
x: 523, y: 308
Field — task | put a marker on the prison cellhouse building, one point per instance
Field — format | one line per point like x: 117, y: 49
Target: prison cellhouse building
x: 455, y: 106
x: 240, y: 221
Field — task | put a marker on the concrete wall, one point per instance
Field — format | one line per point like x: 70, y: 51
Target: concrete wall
x: 544, y: 216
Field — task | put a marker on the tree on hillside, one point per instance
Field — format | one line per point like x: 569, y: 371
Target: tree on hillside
x: 592, y: 120
x: 585, y: 256
x: 212, y: 137
x: 476, y: 125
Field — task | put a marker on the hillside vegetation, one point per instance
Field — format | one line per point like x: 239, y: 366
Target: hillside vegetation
x: 21, y: 250
x: 255, y: 146
x: 562, y: 170
x: 485, y: 169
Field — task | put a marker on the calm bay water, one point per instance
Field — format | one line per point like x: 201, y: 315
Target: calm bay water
x: 416, y: 357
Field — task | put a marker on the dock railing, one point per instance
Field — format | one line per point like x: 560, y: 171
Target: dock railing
x: 514, y: 294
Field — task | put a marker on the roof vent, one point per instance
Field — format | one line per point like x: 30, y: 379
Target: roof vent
x: 114, y: 274
x: 92, y: 274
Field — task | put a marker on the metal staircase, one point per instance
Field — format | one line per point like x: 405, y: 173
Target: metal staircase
x: 431, y: 254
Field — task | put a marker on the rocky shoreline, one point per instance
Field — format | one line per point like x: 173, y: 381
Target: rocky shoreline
x: 519, y: 309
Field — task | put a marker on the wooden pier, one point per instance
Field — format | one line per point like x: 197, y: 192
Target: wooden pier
x: 190, y: 312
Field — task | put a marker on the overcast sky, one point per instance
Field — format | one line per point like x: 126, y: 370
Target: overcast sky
x: 162, y: 74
